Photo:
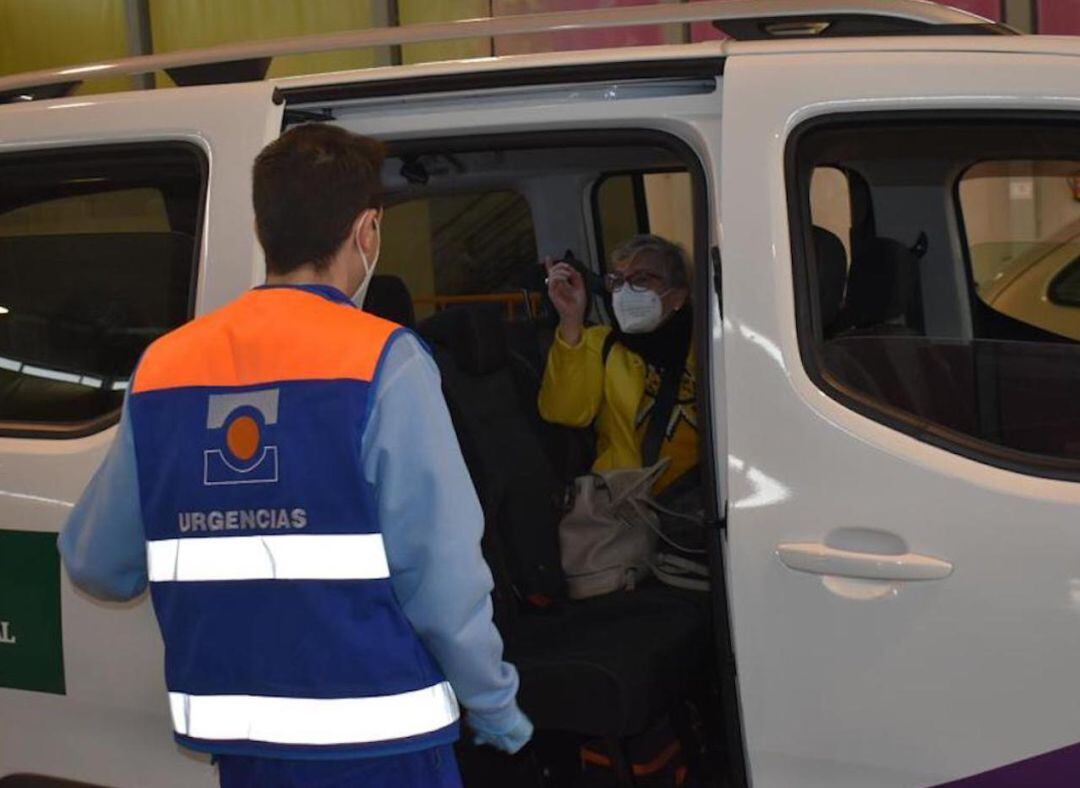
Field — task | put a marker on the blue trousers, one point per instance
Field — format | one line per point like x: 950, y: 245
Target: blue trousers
x: 433, y: 768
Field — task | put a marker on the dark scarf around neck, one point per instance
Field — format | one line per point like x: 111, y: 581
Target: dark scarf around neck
x: 667, y: 345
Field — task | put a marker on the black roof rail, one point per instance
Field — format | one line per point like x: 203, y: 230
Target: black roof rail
x: 847, y: 25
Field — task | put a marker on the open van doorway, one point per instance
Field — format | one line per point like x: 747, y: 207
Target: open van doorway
x: 624, y: 687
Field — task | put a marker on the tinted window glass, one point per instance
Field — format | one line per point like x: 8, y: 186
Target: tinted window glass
x: 645, y: 202
x: 1022, y: 228
x: 830, y: 201
x: 1065, y: 290
x: 942, y: 324
x: 97, y: 258
x: 457, y: 248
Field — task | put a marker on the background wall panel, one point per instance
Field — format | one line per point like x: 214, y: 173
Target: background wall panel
x: 1058, y: 17
x: 38, y: 34
x: 991, y: 9
x: 579, y: 39
x: 412, y: 12
x: 49, y: 33
x: 187, y: 24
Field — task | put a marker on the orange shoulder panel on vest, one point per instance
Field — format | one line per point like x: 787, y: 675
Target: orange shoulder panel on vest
x: 266, y: 336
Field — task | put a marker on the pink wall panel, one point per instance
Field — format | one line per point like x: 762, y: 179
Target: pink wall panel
x: 991, y: 9
x: 584, y: 39
x: 1059, y: 17
x: 704, y: 31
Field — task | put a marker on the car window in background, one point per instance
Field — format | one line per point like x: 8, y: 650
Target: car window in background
x: 1065, y: 290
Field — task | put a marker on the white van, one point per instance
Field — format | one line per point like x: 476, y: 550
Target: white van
x: 891, y: 448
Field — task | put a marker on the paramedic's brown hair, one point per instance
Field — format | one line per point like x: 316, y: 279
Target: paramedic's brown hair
x: 308, y: 187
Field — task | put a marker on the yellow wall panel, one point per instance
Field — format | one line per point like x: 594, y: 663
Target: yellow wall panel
x: 36, y: 34
x: 406, y: 249
x: 187, y: 24
x: 412, y: 12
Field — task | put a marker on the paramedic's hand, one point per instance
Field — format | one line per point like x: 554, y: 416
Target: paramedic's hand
x: 566, y: 289
x: 511, y: 741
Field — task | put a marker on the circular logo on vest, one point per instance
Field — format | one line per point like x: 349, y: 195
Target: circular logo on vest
x: 239, y: 451
x: 242, y: 437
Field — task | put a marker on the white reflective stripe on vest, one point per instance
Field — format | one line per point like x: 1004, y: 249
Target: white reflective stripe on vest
x: 280, y: 557
x: 314, y: 720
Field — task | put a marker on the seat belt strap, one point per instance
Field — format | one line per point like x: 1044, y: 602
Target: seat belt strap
x: 661, y: 415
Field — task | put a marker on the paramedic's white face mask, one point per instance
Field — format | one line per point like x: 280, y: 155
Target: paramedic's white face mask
x: 369, y: 266
x: 638, y: 312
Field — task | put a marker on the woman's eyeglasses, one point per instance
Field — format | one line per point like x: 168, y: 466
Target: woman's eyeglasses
x: 639, y: 281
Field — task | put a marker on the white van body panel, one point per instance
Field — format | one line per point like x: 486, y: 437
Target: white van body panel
x: 852, y: 685
x: 112, y: 727
x: 1023, y: 45
x: 845, y: 683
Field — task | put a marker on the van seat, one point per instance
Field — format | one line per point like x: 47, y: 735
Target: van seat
x: 601, y: 667
x: 882, y: 294
x: 388, y: 297
x: 610, y: 665
x: 831, y: 275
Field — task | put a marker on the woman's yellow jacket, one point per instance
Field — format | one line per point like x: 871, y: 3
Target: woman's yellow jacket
x: 578, y: 390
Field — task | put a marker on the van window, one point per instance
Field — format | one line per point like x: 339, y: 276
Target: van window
x: 121, y: 211
x: 1022, y: 230
x: 460, y: 248
x: 628, y: 204
x: 97, y: 259
x: 830, y: 203
x: 950, y: 316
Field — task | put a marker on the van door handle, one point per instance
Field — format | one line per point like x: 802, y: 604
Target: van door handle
x: 820, y: 559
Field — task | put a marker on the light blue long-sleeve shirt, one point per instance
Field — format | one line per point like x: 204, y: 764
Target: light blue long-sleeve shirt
x: 428, y: 511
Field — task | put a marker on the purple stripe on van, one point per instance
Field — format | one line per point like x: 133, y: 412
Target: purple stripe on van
x: 1057, y: 769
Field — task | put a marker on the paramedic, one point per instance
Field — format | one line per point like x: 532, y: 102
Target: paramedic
x: 614, y: 378
x: 286, y: 478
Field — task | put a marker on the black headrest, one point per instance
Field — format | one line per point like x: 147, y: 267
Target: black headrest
x: 474, y: 335
x: 831, y: 273
x: 882, y: 284
x: 388, y: 297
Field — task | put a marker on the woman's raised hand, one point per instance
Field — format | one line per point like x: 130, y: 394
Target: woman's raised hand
x: 566, y: 288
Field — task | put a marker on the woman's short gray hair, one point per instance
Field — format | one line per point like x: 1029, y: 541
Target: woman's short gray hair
x: 668, y: 257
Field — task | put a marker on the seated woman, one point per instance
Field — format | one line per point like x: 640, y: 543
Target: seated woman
x: 615, y: 382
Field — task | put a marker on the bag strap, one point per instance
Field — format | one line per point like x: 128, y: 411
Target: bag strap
x: 641, y: 504
x: 661, y: 414
x: 679, y: 572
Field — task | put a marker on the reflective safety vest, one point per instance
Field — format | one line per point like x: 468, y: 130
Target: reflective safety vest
x: 282, y: 634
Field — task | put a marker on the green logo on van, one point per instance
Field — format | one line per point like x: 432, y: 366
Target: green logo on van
x: 31, y: 639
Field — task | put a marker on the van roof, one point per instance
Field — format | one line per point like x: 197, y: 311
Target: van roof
x: 709, y: 50
x: 766, y: 20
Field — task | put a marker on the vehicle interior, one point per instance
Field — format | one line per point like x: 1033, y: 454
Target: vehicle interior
x: 940, y: 290
x: 621, y: 687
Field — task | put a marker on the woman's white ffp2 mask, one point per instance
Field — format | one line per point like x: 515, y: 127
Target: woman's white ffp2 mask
x: 637, y: 312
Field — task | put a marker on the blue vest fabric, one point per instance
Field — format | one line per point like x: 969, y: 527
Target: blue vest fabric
x: 271, y: 639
